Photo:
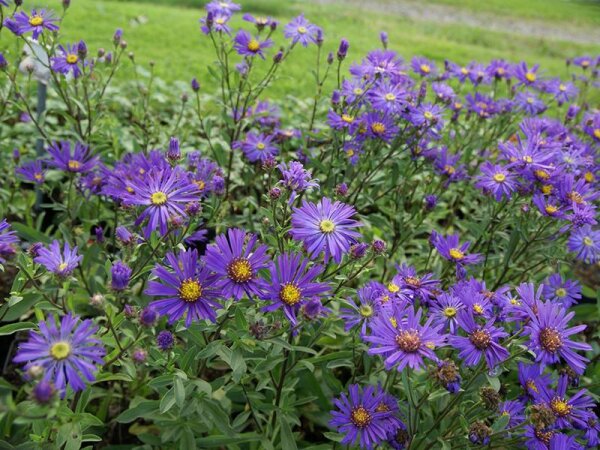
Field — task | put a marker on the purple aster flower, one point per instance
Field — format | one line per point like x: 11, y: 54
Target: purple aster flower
x: 481, y: 340
x: 124, y: 236
x: 447, y: 164
x: 301, y: 30
x: 222, y: 7
x: 583, y: 61
x: 428, y: 116
x: 343, y: 121
x: 482, y: 105
x: 165, y: 340
x: 567, y: 292
x: 163, y: 194
x: 61, y: 263
x: 387, y: 97
x: 384, y: 63
x: 568, y: 411
x: 35, y: 23
x: 32, y: 171
x: 358, y: 419
x: 257, y: 147
x: 422, y: 287
x: 80, y: 161
x: 562, y: 91
x: 120, y: 276
x: 591, y: 125
x: 215, y: 22
x: 451, y: 249
x: 67, y: 61
x: 549, y: 336
x: 261, y: 22
x: 560, y: 441
x: 461, y: 73
x: 532, y: 379
x: 444, y: 311
x: 375, y: 125
x: 367, y: 309
x: 499, y: 69
x: 69, y: 353
x: 548, y: 206
x: 526, y: 76
x: 497, y: 181
x: 296, y: 178
x: 538, y: 438
x: 8, y: 239
x: 246, y: 45
x: 292, y: 284
x: 529, y: 103
x: 236, y: 259
x: 423, y: 67
x: 585, y: 242
x: 443, y: 92
x: 325, y: 227
x: 187, y: 287
x: 313, y: 309
x: 354, y: 91
x: 515, y: 411
x: 478, y: 74
x: 448, y: 375
x: 402, y: 340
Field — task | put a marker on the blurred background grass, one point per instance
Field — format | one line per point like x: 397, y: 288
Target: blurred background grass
x: 168, y: 33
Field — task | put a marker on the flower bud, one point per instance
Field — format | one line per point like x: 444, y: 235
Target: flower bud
x: 97, y: 300
x: 274, y: 25
x: 43, y: 392
x: 378, y: 246
x: 479, y: 433
x: 384, y: 39
x: 343, y: 50
x: 101, y: 52
x: 274, y: 193
x: 139, y: 355
x: 341, y: 189
x: 278, y: 57
x: 148, y: 316
x: 336, y: 96
x: 489, y: 398
x: 165, y: 340
x: 120, y: 276
x: 82, y: 50
x: 174, y: 152
x: 117, y: 36
x: 35, y: 371
x: 3, y: 62
x: 195, y: 85
x: 65, y: 3
x: 358, y: 251
x: 16, y: 154
x: 330, y: 58
x: 129, y: 311
x: 319, y: 38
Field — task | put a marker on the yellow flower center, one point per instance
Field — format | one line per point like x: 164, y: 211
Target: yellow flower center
x: 190, y: 290
x: 378, y: 128
x: 560, y: 407
x: 390, y: 97
x: 547, y: 189
x: 290, y: 294
x: 449, y: 311
x: 36, y: 21
x: 358, y: 91
x: 382, y: 407
x: 74, y: 165
x: 542, y: 174
x: 528, y: 159
x: 597, y: 133
x: 260, y: 146
x: 457, y: 105
x: 562, y: 87
x: 347, y: 118
x: 530, y: 76
x: 499, y: 177
x: 350, y: 153
x: 589, y: 177
x: 477, y: 308
x: 129, y: 189
x: 201, y: 184
x: 464, y: 70
x: 500, y: 71
x: 408, y: 341
x: 360, y: 417
x: 158, y: 198
x: 425, y: 68
x: 302, y: 30
x: 240, y: 270
x: 550, y: 339
x: 413, y: 281
x: 72, y: 59
x: 449, y: 169
x: 62, y: 266
x: 253, y: 45
x: 38, y: 176
x: 60, y: 350
x: 561, y: 292
x: 220, y: 21
x: 551, y: 209
x: 514, y: 301
x: 456, y: 254
x: 326, y: 226
x: 428, y: 115
x: 585, y: 63
x: 587, y: 241
x: 531, y: 385
x: 365, y: 310
x: 393, y: 288
x: 576, y: 197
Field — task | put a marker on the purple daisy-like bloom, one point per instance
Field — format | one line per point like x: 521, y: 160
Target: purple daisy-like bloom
x: 567, y: 292
x: 222, y: 7
x: 497, y: 181
x: 443, y: 92
x: 387, y: 97
x: 80, y: 161
x: 36, y: 22
x: 69, y: 353
x: 481, y: 340
x: 499, y: 69
x: 526, y: 76
x: 549, y: 336
x: 560, y: 441
x: 378, y: 126
x: 57, y: 261
x: 515, y: 411
x: 451, y: 249
x: 563, y: 92
x: 257, y: 147
x: 402, y: 340
x: 120, y: 276
x: 67, y: 61
x: 32, y: 171
x: 423, y: 66
x: 236, y: 259
x: 164, y: 194
x: 532, y: 379
x: 247, y: 45
x: 8, y: 239
x: 189, y: 289
x: 585, y: 242
x: 482, y: 105
x: 567, y: 410
x: 296, y: 178
x: 358, y: 419
x: 529, y: 103
x: 444, y: 311
x: 325, y: 227
x: 367, y: 309
x: 428, y: 116
x: 292, y: 283
x: 422, y: 286
x: 301, y: 30
x: 215, y: 22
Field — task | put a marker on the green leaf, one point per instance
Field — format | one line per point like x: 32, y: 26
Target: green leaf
x: 187, y: 441
x: 14, y: 327
x: 168, y: 401
x: 219, y: 441
x: 179, y: 392
x: 500, y: 423
x: 142, y: 409
x: 287, y: 438
x: 30, y: 234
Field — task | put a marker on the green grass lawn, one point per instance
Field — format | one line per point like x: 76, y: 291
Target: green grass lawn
x: 168, y: 33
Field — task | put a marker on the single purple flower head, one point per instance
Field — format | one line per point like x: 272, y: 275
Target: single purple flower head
x: 79, y: 161
x: 451, y: 249
x: 120, y: 276
x: 148, y: 316
x: 496, y: 181
x: 61, y: 262
x: 302, y: 31
x: 36, y: 23
x: 585, y: 242
x: 68, y: 60
x: 8, y: 240
x: 69, y: 352
x: 247, y: 45
x: 165, y: 340
x: 557, y: 289
x: 257, y: 147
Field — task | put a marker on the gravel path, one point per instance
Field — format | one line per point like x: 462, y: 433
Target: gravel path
x: 423, y: 11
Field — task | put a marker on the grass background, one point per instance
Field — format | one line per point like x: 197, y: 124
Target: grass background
x: 168, y: 33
